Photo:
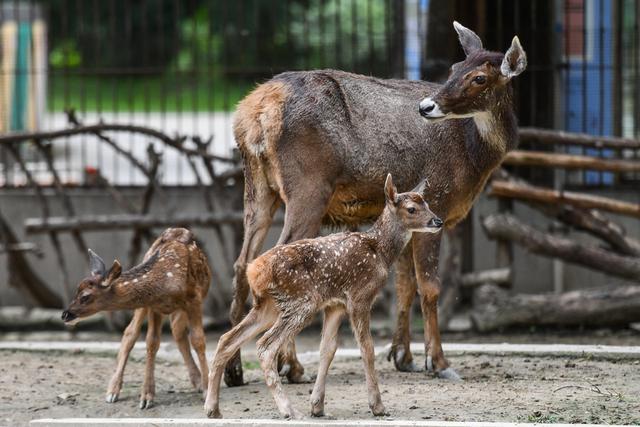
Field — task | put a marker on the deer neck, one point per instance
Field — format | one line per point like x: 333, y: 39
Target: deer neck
x: 493, y: 132
x: 136, y: 287
x: 390, y: 237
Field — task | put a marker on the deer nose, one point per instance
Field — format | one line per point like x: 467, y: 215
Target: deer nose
x: 429, y: 109
x: 67, y: 316
x: 435, y: 223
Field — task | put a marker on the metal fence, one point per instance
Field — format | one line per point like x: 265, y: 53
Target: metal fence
x: 181, y: 66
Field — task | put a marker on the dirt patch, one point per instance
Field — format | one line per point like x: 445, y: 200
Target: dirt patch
x: 501, y: 388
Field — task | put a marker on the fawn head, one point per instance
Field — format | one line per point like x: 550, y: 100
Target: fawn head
x: 477, y: 83
x: 93, y: 294
x: 410, y: 208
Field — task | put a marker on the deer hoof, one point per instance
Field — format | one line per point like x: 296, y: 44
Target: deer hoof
x: 294, y: 414
x: 111, y: 398
x: 401, y: 364
x: 146, y: 403
x: 317, y: 408
x: 449, y: 374
x: 300, y: 379
x: 379, y: 410
x: 213, y: 413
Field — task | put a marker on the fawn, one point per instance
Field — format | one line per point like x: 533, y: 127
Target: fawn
x: 173, y: 279
x: 337, y: 273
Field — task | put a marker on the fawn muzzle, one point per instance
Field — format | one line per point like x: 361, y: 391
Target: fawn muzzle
x: 68, y: 316
x: 435, y: 223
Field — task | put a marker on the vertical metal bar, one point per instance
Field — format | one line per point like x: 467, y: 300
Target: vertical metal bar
x: 67, y: 89
x: 601, y: 78
x: 114, y: 78
x: 130, y: 78
x: 370, y: 36
x: 305, y: 23
x: 354, y: 36
x: 323, y: 35
x: 210, y: 61
x: 178, y: 79
x: 387, y: 36
x: 83, y: 95
x: 584, y: 78
x: 99, y: 84
x: 338, y: 21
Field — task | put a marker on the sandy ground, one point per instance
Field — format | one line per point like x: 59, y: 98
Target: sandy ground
x: 496, y: 388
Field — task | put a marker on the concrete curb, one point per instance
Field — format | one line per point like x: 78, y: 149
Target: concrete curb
x: 169, y: 352
x: 139, y: 422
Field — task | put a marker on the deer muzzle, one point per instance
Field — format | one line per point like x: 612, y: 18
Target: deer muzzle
x: 429, y: 109
x: 68, y: 316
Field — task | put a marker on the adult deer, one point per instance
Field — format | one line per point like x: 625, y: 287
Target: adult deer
x: 323, y: 141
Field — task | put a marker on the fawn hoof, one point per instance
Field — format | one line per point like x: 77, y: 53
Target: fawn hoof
x: 146, y: 403
x: 400, y: 361
x: 317, y: 408
x: 379, y: 410
x: 111, y: 397
x: 300, y: 378
x: 293, y: 414
x: 212, y: 413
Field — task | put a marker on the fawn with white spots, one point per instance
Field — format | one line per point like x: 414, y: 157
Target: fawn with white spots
x: 173, y: 279
x: 338, y: 273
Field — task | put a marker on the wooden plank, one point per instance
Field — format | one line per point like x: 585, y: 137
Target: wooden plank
x: 558, y: 137
x: 569, y: 161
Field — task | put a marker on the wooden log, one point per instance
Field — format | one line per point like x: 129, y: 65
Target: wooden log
x: 558, y: 137
x: 21, y: 247
x: 131, y: 221
x: 587, y: 220
x: 569, y: 161
x: 507, y: 227
x: 515, y: 190
x: 495, y: 308
x: 497, y: 276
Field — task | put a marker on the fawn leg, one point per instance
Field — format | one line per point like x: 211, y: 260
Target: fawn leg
x: 406, y: 287
x: 180, y: 331
x: 198, y: 342
x: 426, y: 248
x: 328, y: 345
x: 129, y: 338
x: 360, y: 317
x: 256, y: 321
x: 260, y: 204
x: 268, y: 347
x: 306, y: 205
x: 154, y: 328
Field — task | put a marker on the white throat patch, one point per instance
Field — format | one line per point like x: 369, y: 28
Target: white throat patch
x: 485, y: 123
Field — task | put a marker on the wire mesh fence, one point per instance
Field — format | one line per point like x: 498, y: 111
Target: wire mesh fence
x: 181, y: 66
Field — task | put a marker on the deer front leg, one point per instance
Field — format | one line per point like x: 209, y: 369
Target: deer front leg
x: 153, y: 343
x: 360, y: 317
x: 328, y: 346
x: 260, y: 204
x: 129, y: 338
x: 426, y: 251
x: 180, y: 332
x: 406, y: 287
x: 198, y: 342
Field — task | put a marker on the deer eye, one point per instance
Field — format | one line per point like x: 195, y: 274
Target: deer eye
x: 85, y: 299
x: 411, y: 210
x: 480, y: 80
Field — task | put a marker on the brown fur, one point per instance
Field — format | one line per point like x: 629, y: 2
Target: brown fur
x: 339, y: 134
x: 173, y: 279
x: 339, y: 273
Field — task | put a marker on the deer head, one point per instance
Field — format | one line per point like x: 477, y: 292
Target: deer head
x: 476, y: 84
x: 94, y: 291
x: 410, y: 208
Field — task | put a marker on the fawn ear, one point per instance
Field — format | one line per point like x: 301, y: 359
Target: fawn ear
x: 96, y: 264
x: 515, y: 60
x: 469, y: 40
x: 420, y: 187
x: 390, y: 191
x: 113, y: 274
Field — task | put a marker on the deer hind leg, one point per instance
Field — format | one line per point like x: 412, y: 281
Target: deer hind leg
x: 180, y: 332
x: 305, y: 207
x: 257, y: 320
x: 198, y: 342
x: 268, y: 346
x: 153, y: 343
x: 406, y: 287
x: 129, y: 338
x: 360, y: 320
x: 425, y: 254
x: 328, y: 346
x: 260, y: 204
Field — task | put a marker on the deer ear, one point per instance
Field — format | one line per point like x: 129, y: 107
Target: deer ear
x: 113, y: 274
x: 421, y: 187
x: 390, y: 191
x: 515, y: 60
x: 469, y: 40
x: 96, y: 264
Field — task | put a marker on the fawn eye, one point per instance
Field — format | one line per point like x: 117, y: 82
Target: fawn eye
x: 411, y: 210
x: 85, y: 299
x: 480, y: 80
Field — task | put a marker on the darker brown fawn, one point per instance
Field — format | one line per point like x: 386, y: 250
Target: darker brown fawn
x: 173, y: 279
x: 337, y: 273
x: 322, y: 141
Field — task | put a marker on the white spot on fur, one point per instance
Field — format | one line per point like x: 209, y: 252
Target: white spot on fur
x: 176, y: 265
x: 135, y: 280
x: 169, y: 274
